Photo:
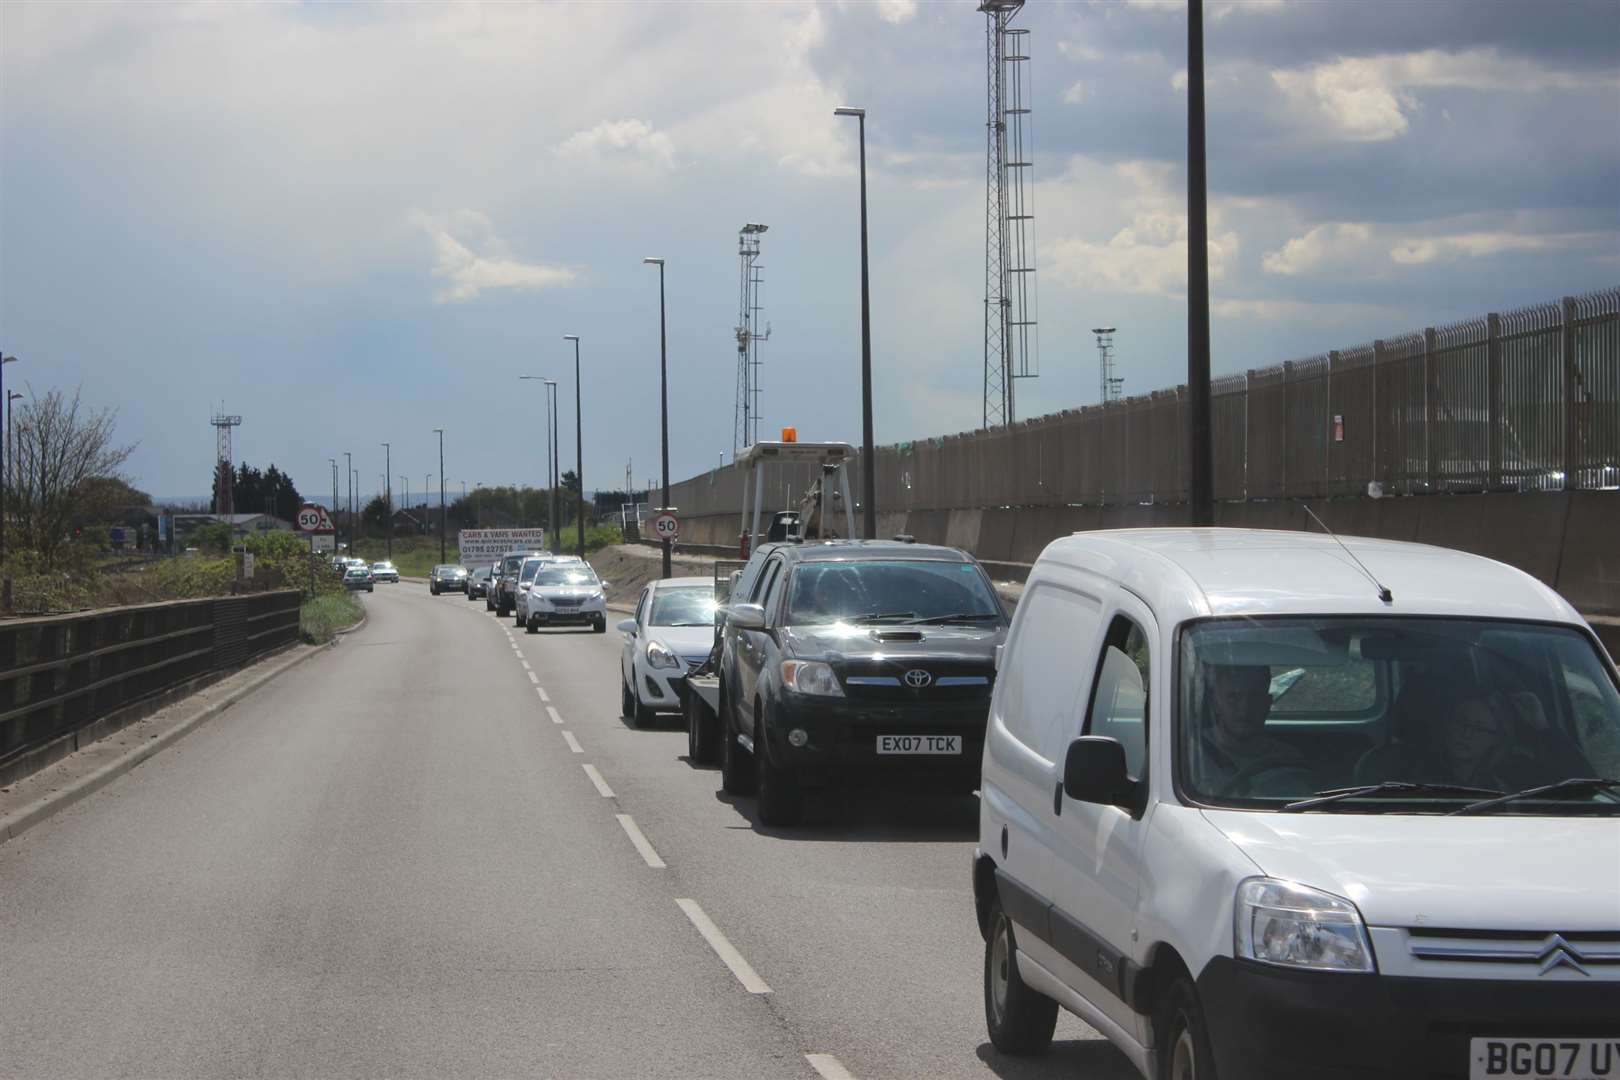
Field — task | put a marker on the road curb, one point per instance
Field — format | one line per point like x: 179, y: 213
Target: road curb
x: 20, y: 822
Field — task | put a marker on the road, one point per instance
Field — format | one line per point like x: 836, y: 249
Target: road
x: 417, y: 855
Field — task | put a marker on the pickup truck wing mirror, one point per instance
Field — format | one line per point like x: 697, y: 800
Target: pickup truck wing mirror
x: 1094, y: 771
x: 747, y: 616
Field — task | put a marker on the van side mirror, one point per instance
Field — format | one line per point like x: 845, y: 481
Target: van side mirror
x: 747, y: 616
x: 1094, y: 771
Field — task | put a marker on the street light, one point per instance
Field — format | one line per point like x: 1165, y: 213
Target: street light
x: 579, y: 445
x: 348, y: 459
x: 4, y: 360
x: 427, y: 486
x: 663, y: 394
x: 388, y: 498
x: 440, y: 432
x: 549, y: 387
x: 556, y: 457
x: 868, y: 465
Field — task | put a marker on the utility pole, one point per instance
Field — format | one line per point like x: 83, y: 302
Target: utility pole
x: 554, y: 462
x: 440, y: 432
x: 348, y: 506
x: 333, y: 460
x: 1200, y: 449
x: 388, y: 497
x: 579, y: 444
x: 4, y: 360
x: 663, y: 400
x: 868, y: 465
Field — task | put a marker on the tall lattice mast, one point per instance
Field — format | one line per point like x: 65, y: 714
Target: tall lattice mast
x: 749, y: 335
x: 224, y: 476
x: 1109, y: 385
x: 1011, y: 346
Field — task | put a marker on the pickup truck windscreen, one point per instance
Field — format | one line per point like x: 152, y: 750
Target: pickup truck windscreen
x: 891, y: 590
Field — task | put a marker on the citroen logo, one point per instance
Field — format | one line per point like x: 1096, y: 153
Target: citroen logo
x: 1556, y: 952
x: 917, y: 678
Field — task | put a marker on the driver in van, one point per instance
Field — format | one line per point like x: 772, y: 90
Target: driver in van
x: 1236, y: 748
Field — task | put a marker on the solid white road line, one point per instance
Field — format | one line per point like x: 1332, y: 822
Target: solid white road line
x: 533, y: 677
x: 556, y: 717
x: 633, y: 831
x: 724, y: 949
x: 829, y: 1067
x: 573, y: 743
x: 596, y: 778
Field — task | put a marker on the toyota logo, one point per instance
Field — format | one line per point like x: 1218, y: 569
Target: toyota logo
x: 917, y: 678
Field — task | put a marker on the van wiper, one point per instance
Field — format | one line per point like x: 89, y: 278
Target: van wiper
x: 961, y: 616
x: 889, y: 616
x: 1574, y: 785
x: 1388, y: 787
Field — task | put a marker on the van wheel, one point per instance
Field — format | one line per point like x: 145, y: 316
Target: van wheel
x: 1183, y: 1041
x: 736, y: 777
x: 780, y: 801
x: 1021, y: 1020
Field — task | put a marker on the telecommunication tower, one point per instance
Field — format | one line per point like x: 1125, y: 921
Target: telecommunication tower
x: 746, y: 414
x: 1109, y: 384
x: 223, y: 473
x: 1011, y: 347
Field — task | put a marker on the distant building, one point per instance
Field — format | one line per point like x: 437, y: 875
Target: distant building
x: 242, y: 525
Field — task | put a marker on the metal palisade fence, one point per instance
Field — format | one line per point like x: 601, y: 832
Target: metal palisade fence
x: 1526, y: 400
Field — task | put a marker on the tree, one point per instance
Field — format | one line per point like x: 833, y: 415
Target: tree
x: 269, y: 492
x: 110, y: 500
x: 375, y: 515
x: 58, y: 445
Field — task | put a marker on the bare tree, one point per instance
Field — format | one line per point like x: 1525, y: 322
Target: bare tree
x: 56, y: 446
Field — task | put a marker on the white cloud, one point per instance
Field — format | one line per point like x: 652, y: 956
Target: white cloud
x: 1319, y: 245
x: 1371, y: 98
x: 1475, y: 245
x: 470, y: 258
x: 620, y: 140
x: 1076, y: 94
x: 896, y: 12
x: 1349, y: 248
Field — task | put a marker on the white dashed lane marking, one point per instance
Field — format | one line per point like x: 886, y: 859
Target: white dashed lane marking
x: 633, y: 831
x: 596, y: 778
x: 724, y: 949
x: 573, y: 743
x: 829, y: 1067
x: 556, y: 717
x: 533, y: 677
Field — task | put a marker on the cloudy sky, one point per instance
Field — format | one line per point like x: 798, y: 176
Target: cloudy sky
x: 354, y: 224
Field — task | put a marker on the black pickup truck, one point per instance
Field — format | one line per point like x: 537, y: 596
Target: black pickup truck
x: 855, y: 658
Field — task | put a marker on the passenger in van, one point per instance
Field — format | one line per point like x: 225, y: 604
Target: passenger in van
x: 1235, y: 745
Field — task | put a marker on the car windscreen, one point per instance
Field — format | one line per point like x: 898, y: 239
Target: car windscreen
x: 510, y: 564
x: 1276, y: 711
x: 529, y: 570
x: 575, y: 575
x: 891, y: 590
x: 382, y: 566
x: 690, y: 606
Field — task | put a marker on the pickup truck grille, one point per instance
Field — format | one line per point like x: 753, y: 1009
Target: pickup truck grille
x: 891, y: 680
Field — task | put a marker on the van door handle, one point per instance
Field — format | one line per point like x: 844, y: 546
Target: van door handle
x: 1057, y: 800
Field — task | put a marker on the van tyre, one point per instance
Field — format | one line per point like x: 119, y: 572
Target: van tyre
x: 1180, y: 1037
x: 736, y: 774
x: 781, y: 803
x: 1020, y: 1020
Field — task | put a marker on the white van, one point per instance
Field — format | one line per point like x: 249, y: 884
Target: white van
x: 1266, y: 804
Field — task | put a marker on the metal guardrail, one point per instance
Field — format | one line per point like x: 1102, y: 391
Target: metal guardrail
x: 60, y: 674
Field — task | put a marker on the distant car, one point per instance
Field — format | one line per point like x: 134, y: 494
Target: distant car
x: 531, y: 566
x: 491, y: 587
x: 672, y: 633
x: 569, y: 593
x: 447, y: 578
x: 478, y: 583
x: 385, y: 571
x: 504, y: 587
x: 359, y: 577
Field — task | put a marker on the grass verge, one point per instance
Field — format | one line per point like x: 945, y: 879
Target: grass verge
x: 320, y: 618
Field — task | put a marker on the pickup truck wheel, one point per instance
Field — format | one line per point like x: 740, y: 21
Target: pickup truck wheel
x: 1021, y: 1020
x: 736, y: 775
x: 1183, y: 1041
x: 781, y: 803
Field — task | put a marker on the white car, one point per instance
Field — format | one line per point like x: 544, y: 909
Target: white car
x: 530, y: 566
x: 562, y: 594
x: 672, y: 633
x: 1261, y: 805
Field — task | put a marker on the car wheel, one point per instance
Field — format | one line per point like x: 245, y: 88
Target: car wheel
x: 627, y: 704
x: 489, y: 605
x: 533, y: 625
x: 700, y: 730
x: 600, y: 626
x: 736, y: 772
x: 780, y: 800
x: 371, y: 588
x: 643, y: 716
x: 1021, y: 1020
x: 1183, y: 1041
x: 434, y: 589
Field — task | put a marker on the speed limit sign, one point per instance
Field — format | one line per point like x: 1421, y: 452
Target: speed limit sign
x: 314, y: 519
x: 666, y: 526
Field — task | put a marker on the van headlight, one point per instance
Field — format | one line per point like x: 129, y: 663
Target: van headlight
x: 810, y: 677
x: 1291, y: 925
x: 660, y: 657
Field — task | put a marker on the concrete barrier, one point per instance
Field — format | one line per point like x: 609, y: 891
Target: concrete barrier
x: 1589, y: 569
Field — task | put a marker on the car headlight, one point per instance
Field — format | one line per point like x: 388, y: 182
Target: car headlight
x: 810, y: 677
x: 660, y: 657
x: 1291, y: 925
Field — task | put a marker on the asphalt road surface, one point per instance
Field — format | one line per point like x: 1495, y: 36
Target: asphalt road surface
x: 437, y: 850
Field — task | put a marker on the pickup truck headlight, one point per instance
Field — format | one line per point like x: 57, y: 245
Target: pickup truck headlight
x: 1291, y: 925
x: 660, y: 657
x: 810, y: 677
